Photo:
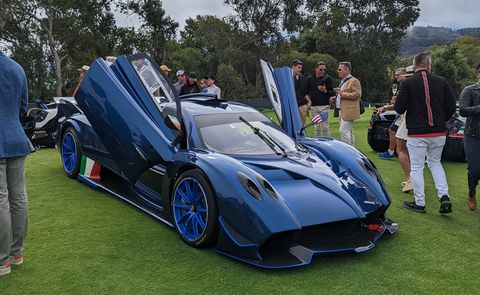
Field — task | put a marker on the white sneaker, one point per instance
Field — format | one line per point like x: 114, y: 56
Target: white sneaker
x: 16, y: 260
x: 5, y: 269
x: 407, y: 187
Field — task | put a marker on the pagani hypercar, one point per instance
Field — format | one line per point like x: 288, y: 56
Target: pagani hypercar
x: 221, y: 173
x: 378, y: 139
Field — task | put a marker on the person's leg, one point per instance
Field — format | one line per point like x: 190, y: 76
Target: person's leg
x: 303, y: 110
x: 5, y: 220
x: 324, y: 126
x: 434, y: 155
x: 318, y: 128
x: 403, y: 157
x: 392, y: 140
x: 18, y: 203
x: 472, y: 146
x: 346, y: 131
x: 417, y: 149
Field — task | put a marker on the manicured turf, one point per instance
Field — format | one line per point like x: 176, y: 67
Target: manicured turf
x: 84, y: 241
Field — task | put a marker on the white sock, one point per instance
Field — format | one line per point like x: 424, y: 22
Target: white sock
x: 391, y: 152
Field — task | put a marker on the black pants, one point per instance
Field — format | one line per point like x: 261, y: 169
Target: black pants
x: 472, y: 148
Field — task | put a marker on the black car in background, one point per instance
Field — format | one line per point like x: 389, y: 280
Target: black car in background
x: 377, y: 135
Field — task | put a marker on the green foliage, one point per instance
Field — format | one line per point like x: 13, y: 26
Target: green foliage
x: 230, y: 81
x: 157, y: 27
x: 54, y: 38
x: 365, y: 32
x: 449, y: 63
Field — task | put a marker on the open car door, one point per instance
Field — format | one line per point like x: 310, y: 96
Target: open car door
x: 123, y: 102
x: 281, y: 92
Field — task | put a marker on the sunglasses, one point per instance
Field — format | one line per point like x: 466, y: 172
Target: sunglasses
x: 321, y: 69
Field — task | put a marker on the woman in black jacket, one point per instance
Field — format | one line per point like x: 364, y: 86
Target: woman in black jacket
x: 470, y: 108
x: 191, y: 86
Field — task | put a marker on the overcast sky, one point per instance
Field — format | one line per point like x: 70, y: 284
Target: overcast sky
x: 438, y: 13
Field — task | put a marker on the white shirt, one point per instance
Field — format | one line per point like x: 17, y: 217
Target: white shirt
x: 214, y: 89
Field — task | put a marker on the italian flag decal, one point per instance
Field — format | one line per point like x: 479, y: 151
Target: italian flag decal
x: 89, y: 168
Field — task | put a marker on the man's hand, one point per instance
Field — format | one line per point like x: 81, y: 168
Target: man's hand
x: 333, y: 99
x: 381, y: 110
x: 338, y: 90
x: 394, y: 98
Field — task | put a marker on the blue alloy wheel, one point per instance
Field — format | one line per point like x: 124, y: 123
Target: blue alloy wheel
x: 194, y: 209
x: 71, y: 153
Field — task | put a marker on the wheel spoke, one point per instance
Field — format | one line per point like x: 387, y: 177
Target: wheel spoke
x: 200, y: 221
x: 188, y: 189
x: 184, y: 196
x: 181, y: 206
x: 195, y: 226
x: 187, y: 215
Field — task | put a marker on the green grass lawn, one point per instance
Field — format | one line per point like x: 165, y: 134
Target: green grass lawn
x: 85, y: 241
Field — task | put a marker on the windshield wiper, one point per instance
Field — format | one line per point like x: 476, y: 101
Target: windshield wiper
x: 266, y: 138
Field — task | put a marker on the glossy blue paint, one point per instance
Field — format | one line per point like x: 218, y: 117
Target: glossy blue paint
x: 131, y: 136
x: 190, y: 209
x: 69, y: 152
x: 330, y: 185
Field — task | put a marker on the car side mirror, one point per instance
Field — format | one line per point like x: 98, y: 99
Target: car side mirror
x: 173, y: 123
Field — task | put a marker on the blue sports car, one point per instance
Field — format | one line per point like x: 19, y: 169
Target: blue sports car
x: 221, y: 173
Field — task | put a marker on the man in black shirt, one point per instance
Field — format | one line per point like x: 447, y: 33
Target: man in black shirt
x: 428, y: 102
x: 320, y: 89
x: 303, y: 101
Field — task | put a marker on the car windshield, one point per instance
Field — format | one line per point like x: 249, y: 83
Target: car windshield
x: 227, y: 134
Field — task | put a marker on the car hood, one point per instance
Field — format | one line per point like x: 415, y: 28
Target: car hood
x: 313, y: 192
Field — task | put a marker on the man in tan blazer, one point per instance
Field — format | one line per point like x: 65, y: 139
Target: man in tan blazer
x: 349, y: 93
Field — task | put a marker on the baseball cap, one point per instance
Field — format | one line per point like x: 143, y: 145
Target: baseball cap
x: 165, y: 68
x: 84, y: 68
x: 180, y: 72
x: 192, y: 75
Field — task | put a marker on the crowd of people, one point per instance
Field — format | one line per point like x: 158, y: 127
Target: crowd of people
x: 424, y: 102
x: 188, y: 83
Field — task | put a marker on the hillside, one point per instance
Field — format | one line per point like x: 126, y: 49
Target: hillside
x: 420, y: 38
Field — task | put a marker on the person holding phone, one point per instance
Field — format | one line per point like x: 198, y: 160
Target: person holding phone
x: 320, y: 89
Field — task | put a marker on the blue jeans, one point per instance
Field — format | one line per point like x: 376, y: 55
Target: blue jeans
x: 13, y: 207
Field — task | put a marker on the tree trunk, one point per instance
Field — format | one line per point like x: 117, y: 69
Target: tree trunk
x: 56, y: 57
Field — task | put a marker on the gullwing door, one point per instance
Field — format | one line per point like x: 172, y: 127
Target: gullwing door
x: 124, y: 102
x: 281, y: 92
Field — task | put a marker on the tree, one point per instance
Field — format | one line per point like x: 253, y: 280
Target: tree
x: 33, y: 27
x: 158, y: 28
x: 366, y: 32
x: 449, y: 63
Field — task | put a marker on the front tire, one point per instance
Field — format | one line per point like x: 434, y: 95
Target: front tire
x: 71, y: 153
x: 194, y: 209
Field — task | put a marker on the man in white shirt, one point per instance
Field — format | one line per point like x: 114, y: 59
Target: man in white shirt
x: 212, y: 88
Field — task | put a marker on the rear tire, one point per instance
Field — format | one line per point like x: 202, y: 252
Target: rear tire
x: 71, y: 153
x: 194, y: 209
